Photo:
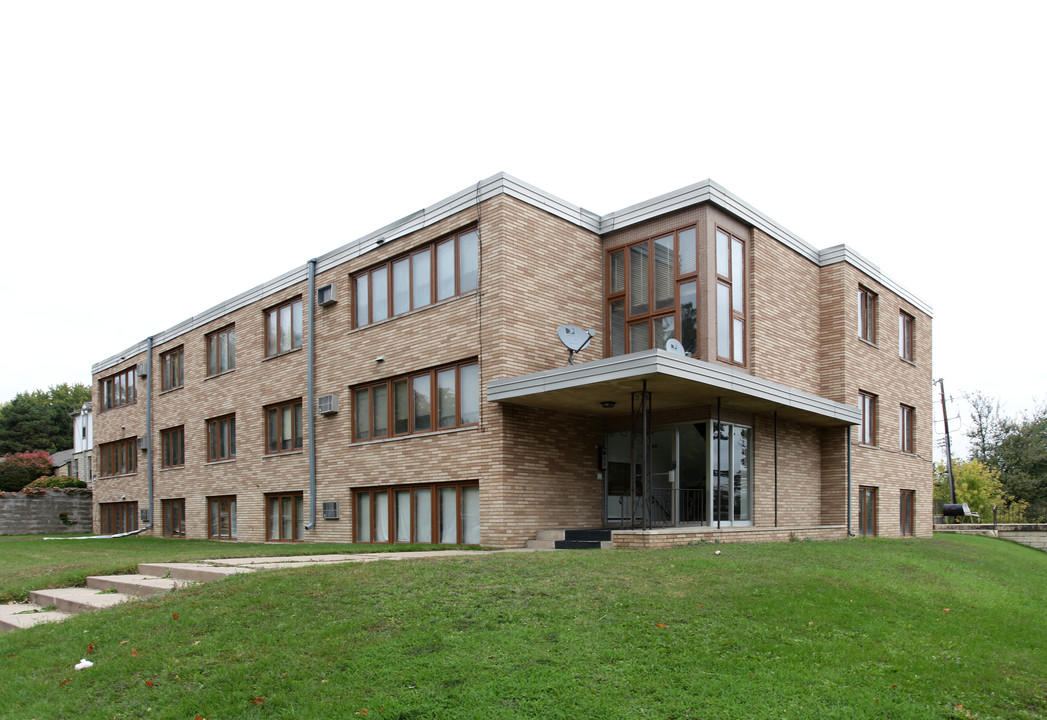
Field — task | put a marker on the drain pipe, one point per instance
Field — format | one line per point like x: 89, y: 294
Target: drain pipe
x: 311, y: 392
x: 149, y: 427
x: 849, y: 533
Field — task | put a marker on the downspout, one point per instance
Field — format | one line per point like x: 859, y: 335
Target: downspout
x: 149, y: 426
x: 311, y: 392
x: 716, y: 439
x: 849, y: 533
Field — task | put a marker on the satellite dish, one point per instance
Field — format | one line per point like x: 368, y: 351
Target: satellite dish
x: 675, y: 347
x: 574, y: 339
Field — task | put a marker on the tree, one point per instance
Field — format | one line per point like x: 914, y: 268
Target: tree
x: 977, y: 484
x: 41, y: 420
x: 1014, y: 448
x: 20, y: 469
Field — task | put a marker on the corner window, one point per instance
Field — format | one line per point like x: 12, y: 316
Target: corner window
x: 174, y: 518
x: 283, y: 427
x: 906, y: 342
x: 118, y: 390
x: 652, y: 293
x: 283, y: 328
x: 429, y: 274
x: 221, y: 518
x: 171, y: 369
x: 730, y: 297
x: 906, y: 416
x: 866, y: 314
x: 439, y: 399
x: 867, y: 431
x: 118, y: 458
x: 221, y: 438
x: 172, y: 443
x: 221, y: 351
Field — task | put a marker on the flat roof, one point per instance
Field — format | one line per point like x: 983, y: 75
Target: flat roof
x: 674, y: 381
x: 502, y: 183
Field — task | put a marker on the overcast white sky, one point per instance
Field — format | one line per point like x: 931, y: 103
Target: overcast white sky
x: 159, y: 158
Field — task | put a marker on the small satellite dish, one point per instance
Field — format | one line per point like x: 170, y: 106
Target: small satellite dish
x: 574, y: 339
x: 675, y: 347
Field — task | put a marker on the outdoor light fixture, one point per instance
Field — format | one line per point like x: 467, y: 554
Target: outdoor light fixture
x: 607, y: 404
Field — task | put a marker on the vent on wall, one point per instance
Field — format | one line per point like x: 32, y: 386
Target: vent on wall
x: 143, y: 370
x: 143, y: 444
x: 331, y: 510
x: 144, y: 513
x: 327, y: 295
x: 327, y: 404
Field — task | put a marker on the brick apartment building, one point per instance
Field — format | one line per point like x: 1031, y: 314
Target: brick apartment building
x: 410, y: 387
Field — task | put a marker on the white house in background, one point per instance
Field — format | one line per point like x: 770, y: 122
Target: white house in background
x: 83, y: 443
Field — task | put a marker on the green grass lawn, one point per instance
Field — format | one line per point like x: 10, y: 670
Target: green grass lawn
x: 28, y: 562
x: 952, y: 627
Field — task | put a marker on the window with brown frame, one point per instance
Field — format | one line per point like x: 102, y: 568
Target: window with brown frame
x: 867, y: 430
x: 118, y: 517
x: 441, y: 270
x: 730, y: 297
x: 283, y: 328
x: 867, y: 511
x: 172, y: 447
x: 445, y: 514
x: 221, y: 351
x: 221, y: 438
x: 174, y: 517
x: 118, y: 390
x: 171, y: 369
x: 284, y: 518
x: 652, y: 293
x: 866, y: 314
x: 221, y: 517
x: 906, y: 526
x: 118, y: 458
x: 906, y: 343
x: 437, y: 399
x: 283, y: 425
x: 906, y: 418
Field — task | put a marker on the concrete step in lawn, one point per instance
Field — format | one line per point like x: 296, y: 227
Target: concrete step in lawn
x: 105, y: 591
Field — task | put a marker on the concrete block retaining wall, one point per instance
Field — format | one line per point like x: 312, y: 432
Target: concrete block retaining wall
x: 47, y: 511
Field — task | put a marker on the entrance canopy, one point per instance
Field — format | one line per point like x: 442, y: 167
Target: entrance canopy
x: 674, y: 382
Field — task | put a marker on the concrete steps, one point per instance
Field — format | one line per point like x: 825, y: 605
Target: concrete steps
x: 105, y: 591
x: 571, y: 540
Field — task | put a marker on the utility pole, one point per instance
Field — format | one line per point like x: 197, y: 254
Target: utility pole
x: 948, y: 444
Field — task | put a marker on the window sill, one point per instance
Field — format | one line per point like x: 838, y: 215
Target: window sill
x: 267, y: 358
x: 171, y: 390
x: 868, y: 342
x: 121, y: 475
x: 219, y: 374
x: 220, y: 462
x: 448, y: 431
x: 908, y: 362
x: 284, y: 453
x: 173, y: 467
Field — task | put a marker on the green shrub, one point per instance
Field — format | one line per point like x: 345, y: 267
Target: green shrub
x: 57, y: 481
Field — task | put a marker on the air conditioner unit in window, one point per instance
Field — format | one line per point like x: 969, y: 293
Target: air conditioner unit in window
x: 331, y: 510
x: 327, y: 295
x: 143, y: 444
x: 143, y: 370
x: 327, y: 404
